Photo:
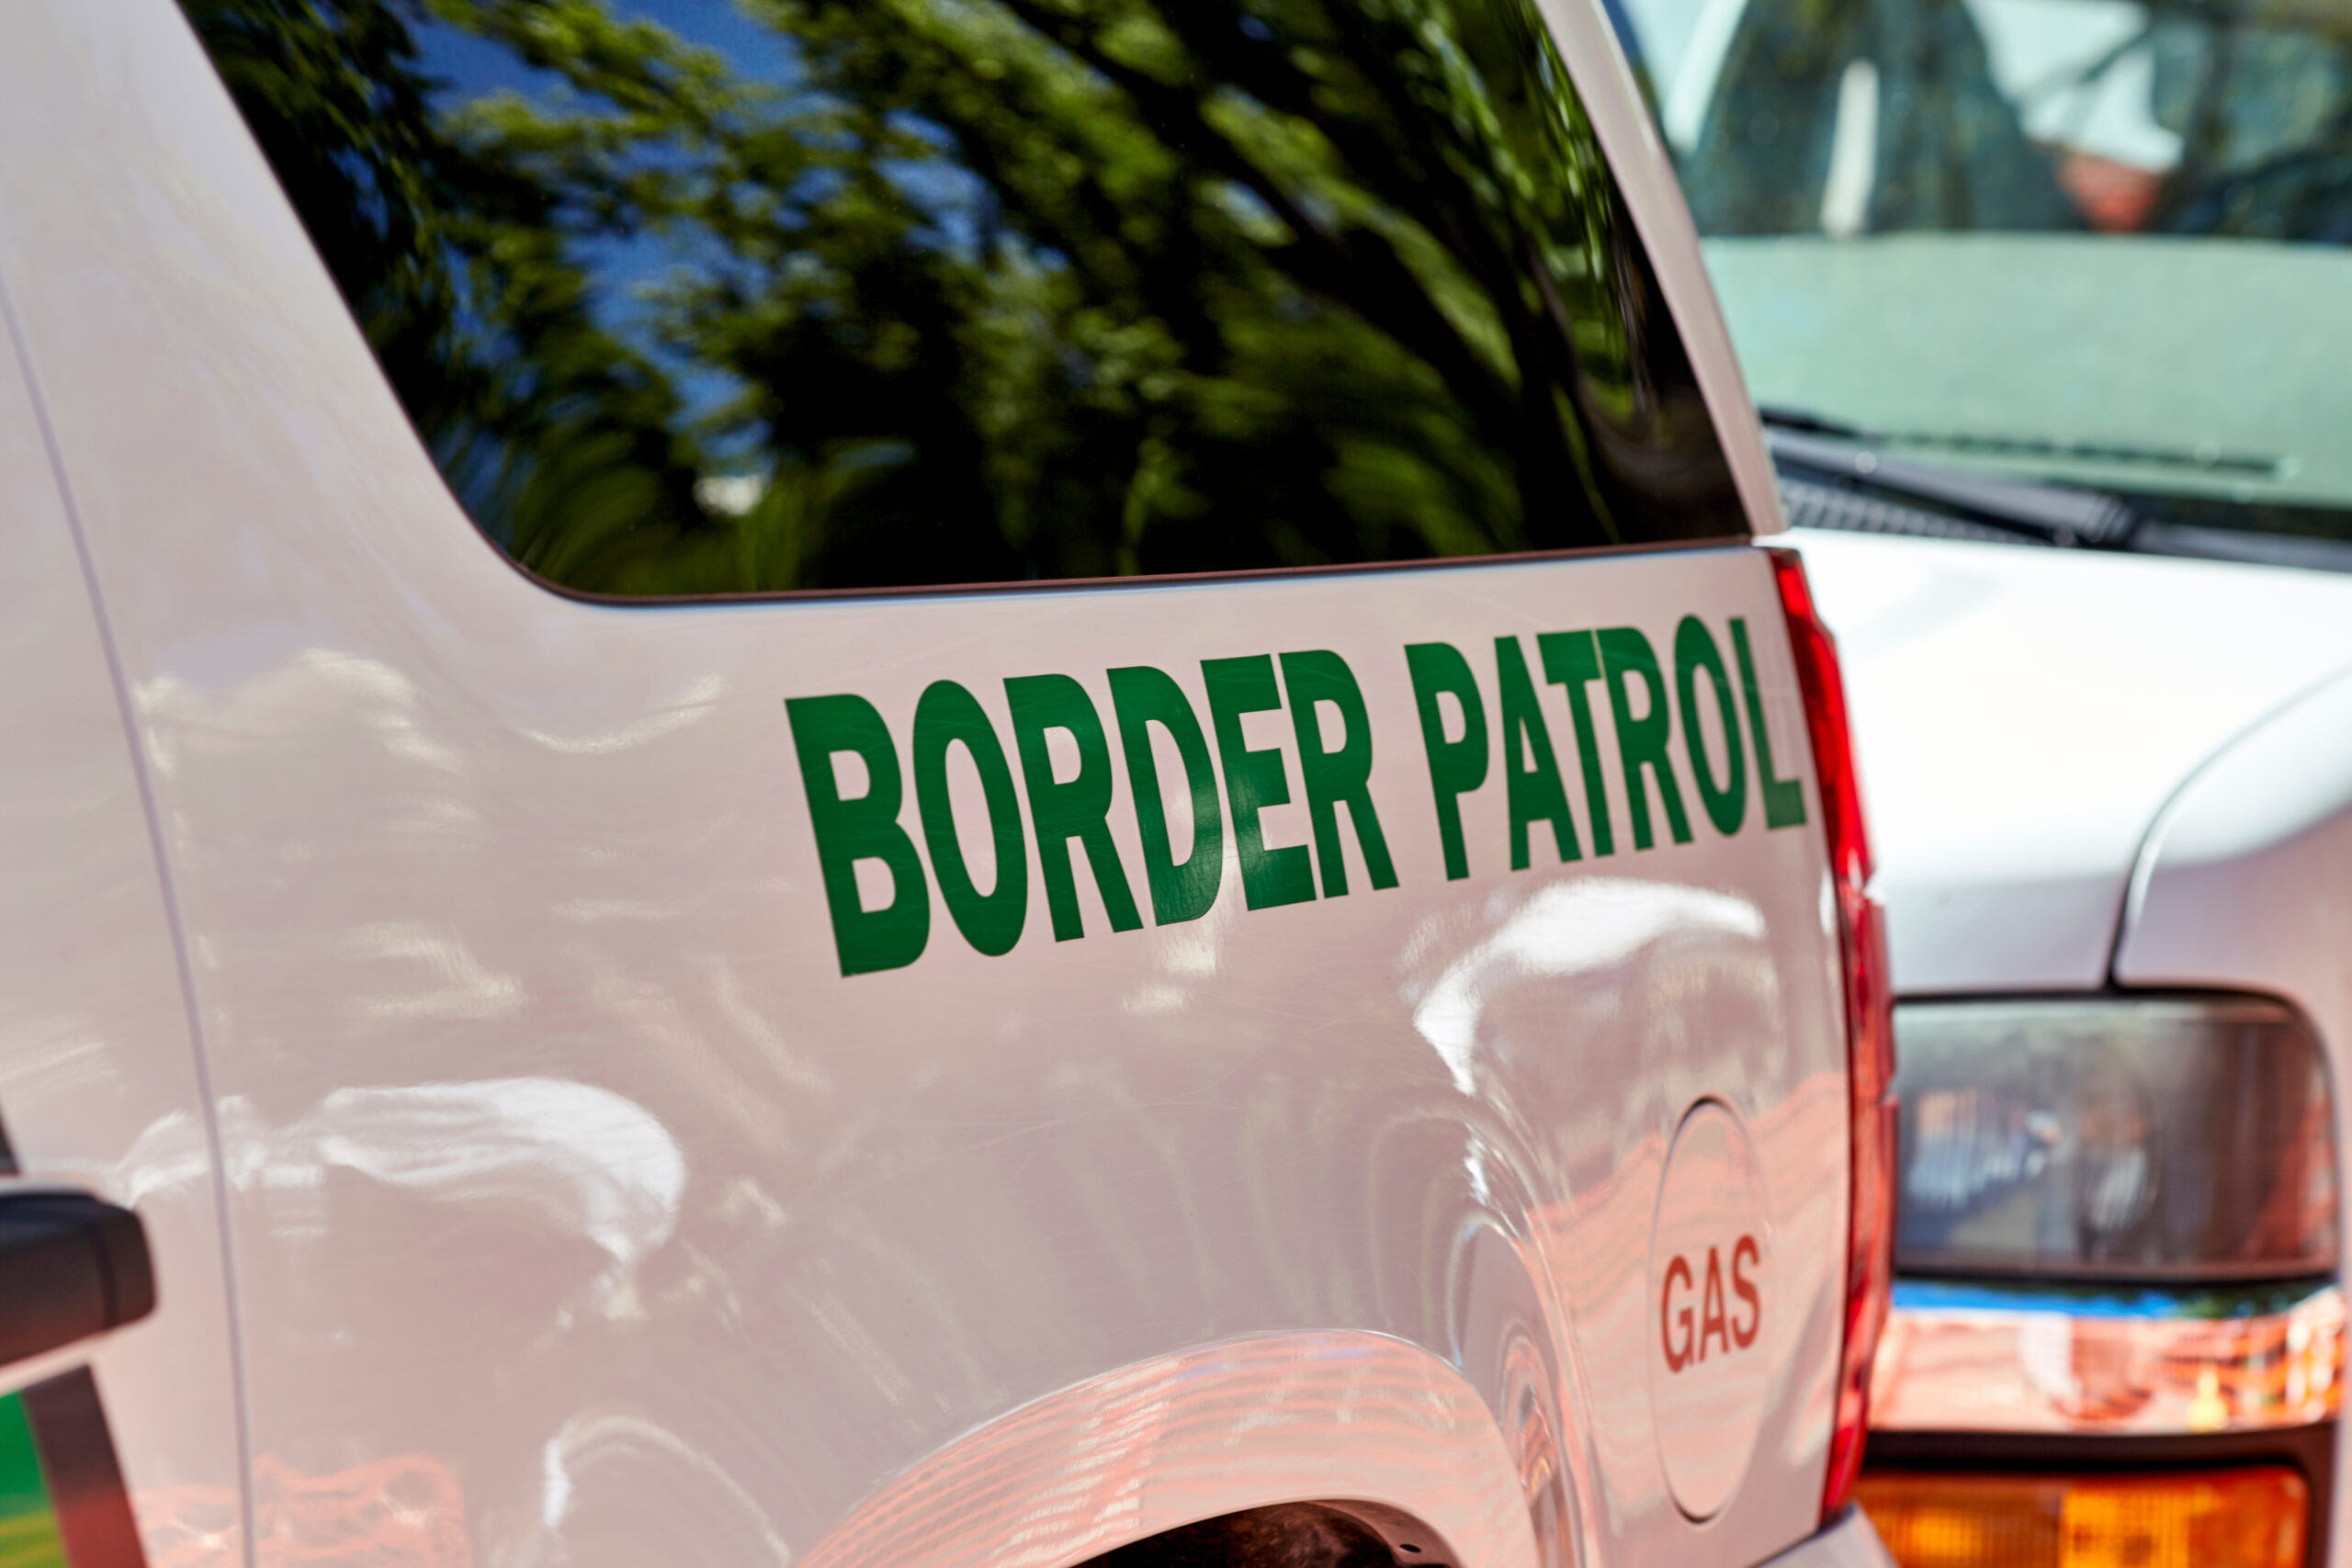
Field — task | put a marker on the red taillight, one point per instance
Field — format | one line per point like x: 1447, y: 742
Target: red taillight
x: 1869, y: 1026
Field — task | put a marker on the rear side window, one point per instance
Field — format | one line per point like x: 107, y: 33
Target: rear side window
x: 692, y: 297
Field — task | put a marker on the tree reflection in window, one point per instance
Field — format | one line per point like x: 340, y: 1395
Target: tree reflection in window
x: 885, y: 292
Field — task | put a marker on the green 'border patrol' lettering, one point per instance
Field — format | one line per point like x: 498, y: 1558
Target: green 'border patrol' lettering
x: 1650, y: 720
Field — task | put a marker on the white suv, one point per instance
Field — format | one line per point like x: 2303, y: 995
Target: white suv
x: 907, y: 782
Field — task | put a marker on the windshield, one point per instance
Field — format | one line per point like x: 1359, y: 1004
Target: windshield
x: 2090, y: 240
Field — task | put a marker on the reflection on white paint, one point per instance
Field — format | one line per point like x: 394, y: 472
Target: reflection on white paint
x: 319, y: 685
x: 1186, y: 955
x: 166, y: 1160
x: 459, y: 986
x: 1194, y: 950
x: 587, y: 1161
x: 309, y: 689
x: 604, y: 911
x: 802, y: 1068
x: 1567, y: 929
x: 1147, y: 1000
x: 652, y: 1461
x: 695, y: 702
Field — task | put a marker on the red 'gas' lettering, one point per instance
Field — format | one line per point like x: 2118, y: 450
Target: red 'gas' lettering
x: 1714, y: 1325
x: 1747, y: 1255
x: 1677, y: 1357
x: 1684, y: 1333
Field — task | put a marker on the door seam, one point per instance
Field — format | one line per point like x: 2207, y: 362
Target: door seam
x: 134, y: 740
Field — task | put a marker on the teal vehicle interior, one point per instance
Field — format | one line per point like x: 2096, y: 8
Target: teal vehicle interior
x: 2066, y: 271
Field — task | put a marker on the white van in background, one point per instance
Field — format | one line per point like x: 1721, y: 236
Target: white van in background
x: 2046, y: 303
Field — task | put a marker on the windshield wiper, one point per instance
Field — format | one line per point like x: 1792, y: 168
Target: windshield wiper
x: 1807, y: 448
x: 2205, y: 458
x: 1805, y: 422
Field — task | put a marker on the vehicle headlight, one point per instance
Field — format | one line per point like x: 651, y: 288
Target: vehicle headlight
x: 2163, y: 1140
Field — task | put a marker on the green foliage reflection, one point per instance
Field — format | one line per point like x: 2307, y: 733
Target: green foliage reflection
x: 981, y: 290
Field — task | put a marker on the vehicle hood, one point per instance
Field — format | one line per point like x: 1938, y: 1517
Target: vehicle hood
x: 2198, y: 365
x: 2023, y: 715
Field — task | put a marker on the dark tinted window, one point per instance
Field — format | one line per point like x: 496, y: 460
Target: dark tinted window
x: 691, y: 297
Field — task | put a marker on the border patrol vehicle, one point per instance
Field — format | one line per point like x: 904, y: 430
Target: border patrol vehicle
x: 845, y: 784
x: 2046, y: 303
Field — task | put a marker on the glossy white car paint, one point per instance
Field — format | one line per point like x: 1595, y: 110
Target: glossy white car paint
x: 2247, y: 884
x: 98, y: 1082
x: 576, y: 1199
x: 2087, y: 770
x: 2245, y: 876
x: 2022, y: 718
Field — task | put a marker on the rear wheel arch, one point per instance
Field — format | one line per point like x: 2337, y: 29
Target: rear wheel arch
x: 1324, y: 1534
x: 1305, y: 1441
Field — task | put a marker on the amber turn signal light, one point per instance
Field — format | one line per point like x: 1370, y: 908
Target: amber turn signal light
x: 2255, y: 1516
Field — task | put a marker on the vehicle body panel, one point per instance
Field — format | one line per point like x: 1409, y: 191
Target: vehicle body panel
x: 573, y: 1188
x: 2247, y: 884
x: 2023, y: 716
x: 2014, y: 272
x: 2241, y: 877
x: 98, y: 1079
x: 2088, y: 771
